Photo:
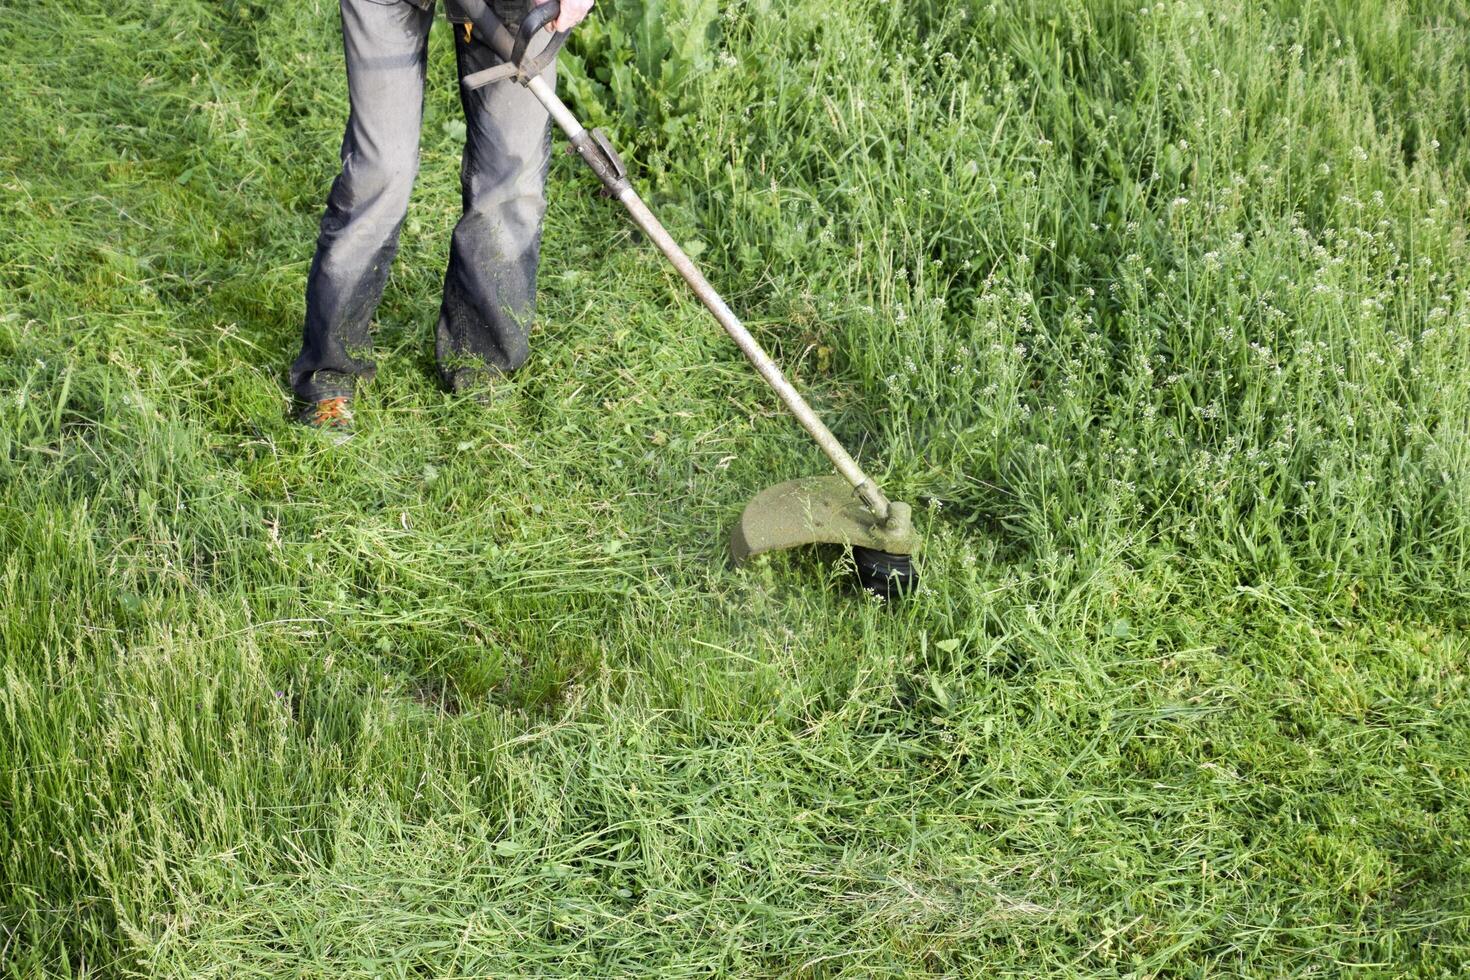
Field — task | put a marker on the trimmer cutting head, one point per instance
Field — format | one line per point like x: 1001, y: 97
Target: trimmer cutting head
x: 825, y: 510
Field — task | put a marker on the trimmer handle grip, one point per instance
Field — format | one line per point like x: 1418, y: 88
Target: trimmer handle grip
x: 535, y: 21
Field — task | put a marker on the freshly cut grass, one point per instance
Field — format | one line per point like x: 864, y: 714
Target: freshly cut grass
x: 1158, y: 313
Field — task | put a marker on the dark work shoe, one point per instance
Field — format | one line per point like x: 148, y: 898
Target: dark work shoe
x: 332, y: 415
x: 474, y: 382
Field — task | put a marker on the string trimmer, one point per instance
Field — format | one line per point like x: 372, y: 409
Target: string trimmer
x: 848, y: 509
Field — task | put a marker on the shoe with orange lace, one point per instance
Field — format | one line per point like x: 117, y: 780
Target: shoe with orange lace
x: 332, y: 415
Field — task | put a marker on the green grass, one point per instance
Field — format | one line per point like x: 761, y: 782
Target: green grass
x: 1158, y: 314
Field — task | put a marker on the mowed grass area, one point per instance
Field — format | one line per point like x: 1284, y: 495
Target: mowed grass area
x: 1157, y: 313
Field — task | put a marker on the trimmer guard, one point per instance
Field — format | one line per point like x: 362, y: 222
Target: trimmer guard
x: 817, y: 510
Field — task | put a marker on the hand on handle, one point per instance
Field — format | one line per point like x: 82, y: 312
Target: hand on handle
x: 572, y: 13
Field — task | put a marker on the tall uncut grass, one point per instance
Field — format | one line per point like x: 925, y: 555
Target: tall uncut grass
x: 1158, y: 314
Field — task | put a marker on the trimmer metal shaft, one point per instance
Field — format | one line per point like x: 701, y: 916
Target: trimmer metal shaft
x: 619, y: 186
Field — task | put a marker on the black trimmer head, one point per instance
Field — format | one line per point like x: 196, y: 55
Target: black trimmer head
x: 885, y: 574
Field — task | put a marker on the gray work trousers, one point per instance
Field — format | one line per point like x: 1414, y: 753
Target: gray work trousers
x: 490, y: 285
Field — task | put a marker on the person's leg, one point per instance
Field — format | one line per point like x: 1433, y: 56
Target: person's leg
x: 490, y: 285
x: 386, y: 43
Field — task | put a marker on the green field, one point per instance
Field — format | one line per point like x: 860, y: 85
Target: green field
x: 1159, y: 315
